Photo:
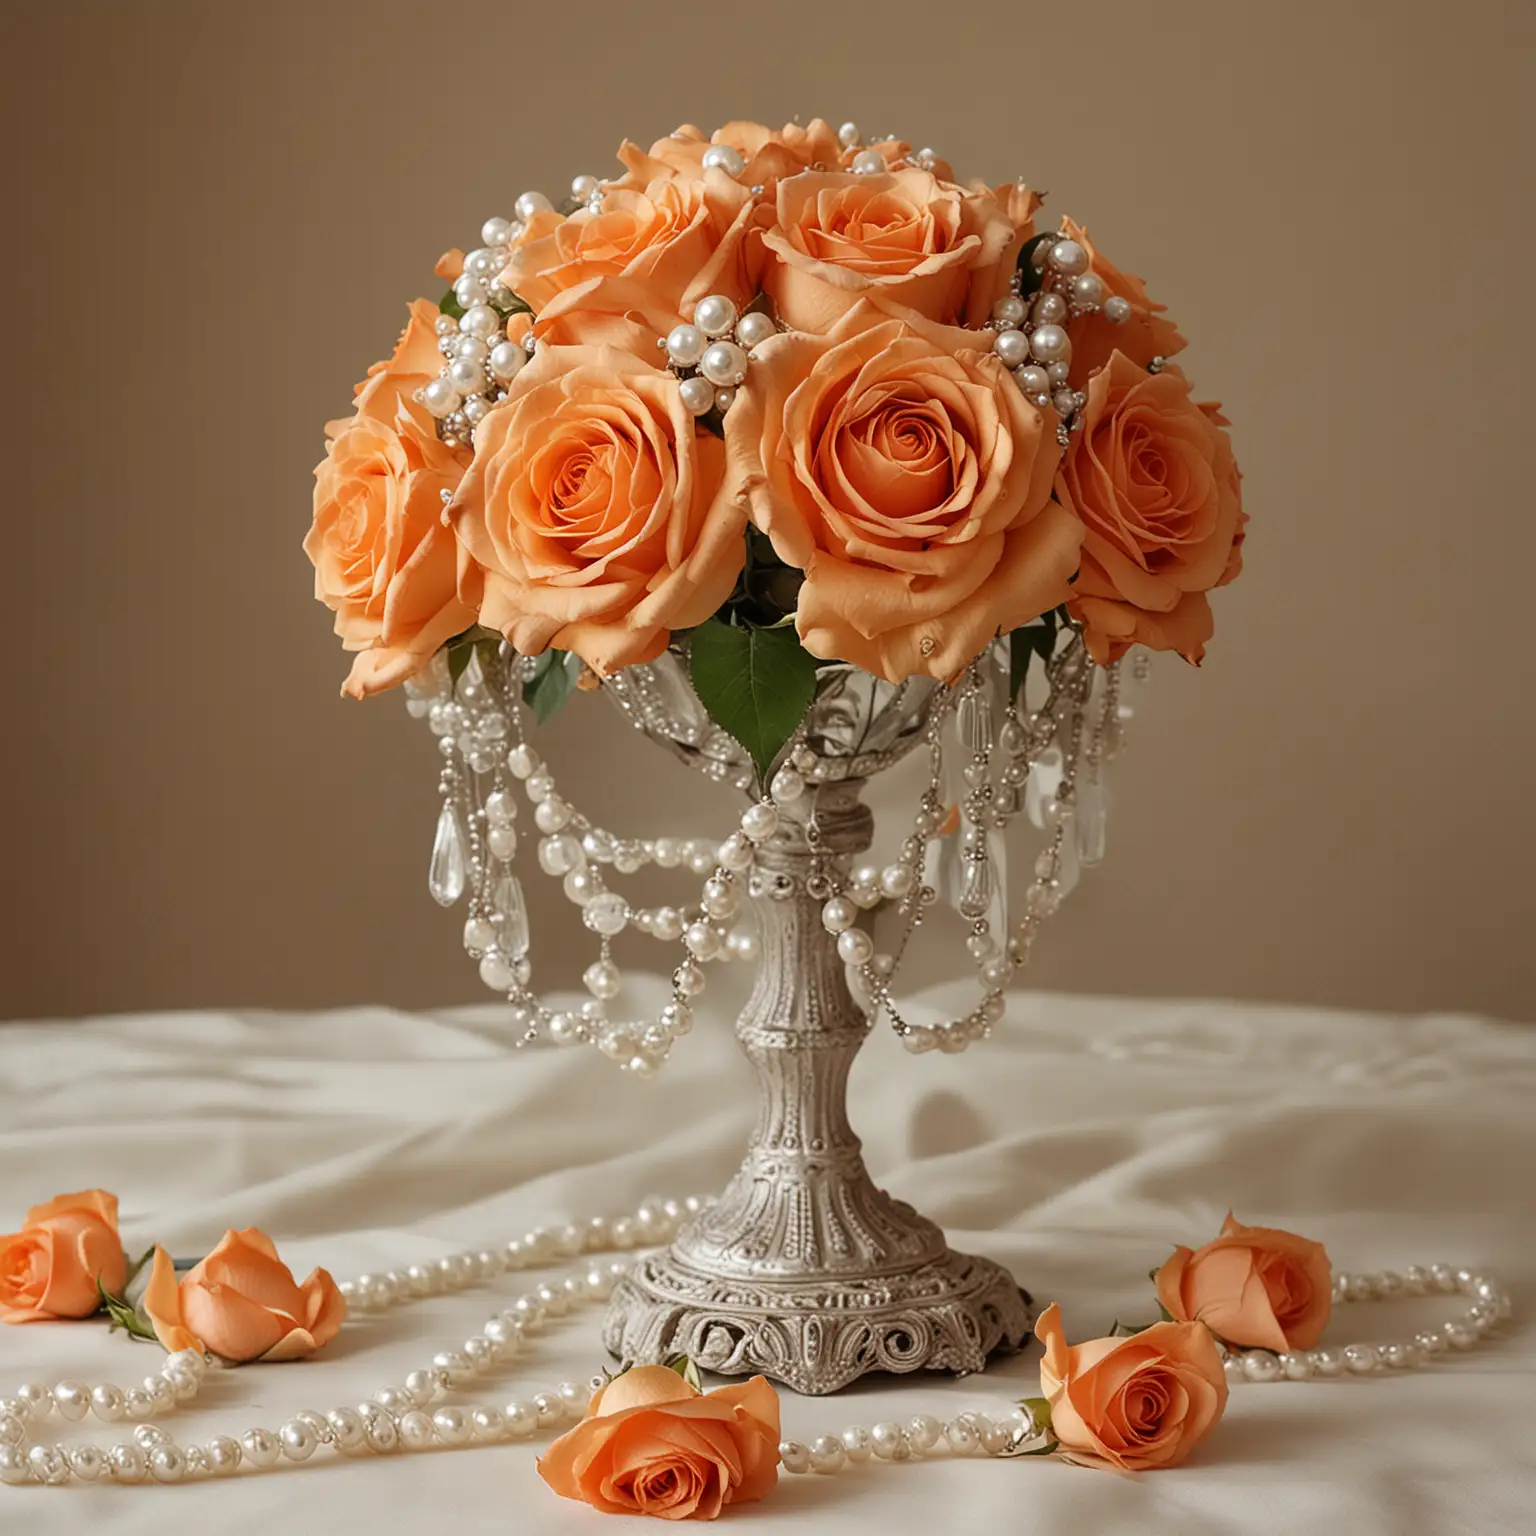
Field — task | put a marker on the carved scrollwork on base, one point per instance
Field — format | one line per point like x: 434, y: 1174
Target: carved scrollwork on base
x: 803, y: 1270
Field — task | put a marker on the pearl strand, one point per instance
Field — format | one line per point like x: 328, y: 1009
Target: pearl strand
x: 403, y: 1417
x: 1490, y: 1307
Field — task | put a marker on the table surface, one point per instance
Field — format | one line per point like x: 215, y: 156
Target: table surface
x: 1076, y: 1147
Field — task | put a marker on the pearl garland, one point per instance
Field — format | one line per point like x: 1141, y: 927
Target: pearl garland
x: 1490, y: 1307
x: 413, y: 1415
x: 1047, y: 764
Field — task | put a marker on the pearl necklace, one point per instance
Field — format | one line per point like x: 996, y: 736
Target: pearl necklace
x: 413, y: 1417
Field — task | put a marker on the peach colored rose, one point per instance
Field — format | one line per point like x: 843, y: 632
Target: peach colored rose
x: 1142, y: 337
x: 241, y: 1303
x: 770, y: 154
x: 603, y: 515
x: 1255, y: 1287
x: 905, y: 237
x: 680, y: 238
x: 51, y: 1267
x: 651, y: 1444
x: 1153, y: 480
x: 898, y: 465
x: 384, y: 562
x: 1135, y: 1403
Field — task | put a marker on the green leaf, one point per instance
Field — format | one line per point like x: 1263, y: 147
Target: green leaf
x: 123, y: 1315
x: 756, y: 684
x: 685, y: 1368
x: 458, y: 660
x: 1037, y: 639
x: 554, y: 676
x: 449, y: 305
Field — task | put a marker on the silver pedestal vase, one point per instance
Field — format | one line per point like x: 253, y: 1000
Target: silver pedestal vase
x: 804, y: 1270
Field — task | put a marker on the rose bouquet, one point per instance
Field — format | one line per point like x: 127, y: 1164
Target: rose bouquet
x: 791, y: 397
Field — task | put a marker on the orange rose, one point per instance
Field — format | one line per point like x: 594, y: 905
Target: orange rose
x: 680, y: 238
x: 651, y: 1444
x: 1134, y: 1403
x: 769, y: 154
x: 383, y: 561
x: 1141, y: 337
x: 905, y: 237
x: 900, y: 467
x: 1255, y: 1287
x: 241, y: 1303
x: 1154, y: 482
x: 52, y: 1266
x: 602, y: 513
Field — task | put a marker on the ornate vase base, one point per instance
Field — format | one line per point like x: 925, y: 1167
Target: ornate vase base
x: 949, y: 1314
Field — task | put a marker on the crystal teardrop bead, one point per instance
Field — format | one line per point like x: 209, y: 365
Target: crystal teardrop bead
x: 974, y: 718
x: 976, y: 892
x: 1092, y: 816
x: 445, y: 874
x: 514, y: 916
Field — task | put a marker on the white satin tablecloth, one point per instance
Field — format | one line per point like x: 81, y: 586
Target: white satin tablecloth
x: 1076, y: 1147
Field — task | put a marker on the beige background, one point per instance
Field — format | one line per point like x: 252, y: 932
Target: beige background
x: 215, y: 213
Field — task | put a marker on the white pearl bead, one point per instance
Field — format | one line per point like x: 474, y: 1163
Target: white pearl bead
x: 496, y: 972
x: 744, y: 945
x: 530, y: 205
x: 451, y: 1426
x: 686, y: 344
x: 506, y: 359
x: 466, y: 377
x: 735, y: 853
x: 703, y: 940
x: 1009, y: 310
x: 1328, y: 1362
x: 1069, y: 257
x: 759, y: 822
x: 522, y: 1419
x: 298, y: 1440
x: 87, y: 1462
x: 1032, y: 381
x: 962, y: 1436
x: 788, y: 784
x: 261, y: 1447
x: 698, y: 395
x: 582, y: 187
x: 714, y: 316
x: 1049, y: 309
x: 868, y: 162
x: 889, y: 1440
x: 1117, y: 310
x: 1360, y: 1358
x: 440, y: 398
x: 551, y: 815
x: 1261, y: 1365
x: 138, y: 1404
x: 127, y: 1463
x: 724, y: 399
x: 667, y: 924
x: 923, y: 1431
x: 1065, y: 402
x: 470, y: 290
x: 73, y: 1400
x: 723, y: 157
x: 488, y: 1424
x: 1088, y: 289
x: 827, y: 1454
x: 1049, y: 343
x: 223, y: 1455
x: 794, y: 1457
x: 755, y: 328
x: 856, y: 1443
x: 496, y: 231
x: 838, y: 915
x: 1012, y: 348
x: 480, y: 321
x: 347, y: 1426
x: 723, y: 362
x: 416, y: 1431
x: 848, y: 135
x: 550, y: 1409
x: 15, y: 1469
x: 897, y: 879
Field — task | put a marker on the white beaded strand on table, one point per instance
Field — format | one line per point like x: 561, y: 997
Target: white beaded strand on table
x: 414, y: 1415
